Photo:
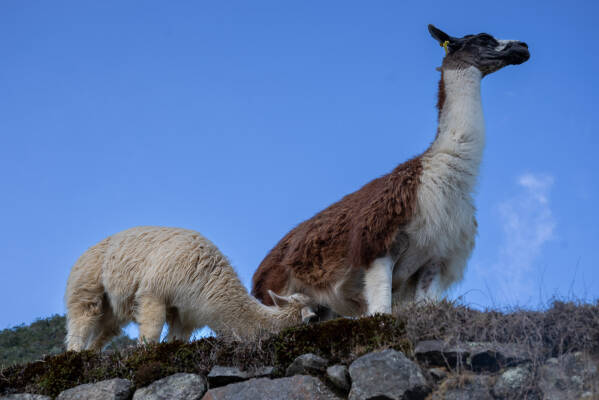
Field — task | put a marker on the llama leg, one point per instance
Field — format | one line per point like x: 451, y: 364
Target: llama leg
x: 377, y: 286
x: 81, y: 330
x: 185, y: 332
x: 428, y: 286
x: 177, y: 328
x: 174, y: 324
x: 83, y: 324
x: 151, y: 316
x: 108, y: 327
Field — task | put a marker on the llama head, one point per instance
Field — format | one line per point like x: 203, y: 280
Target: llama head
x: 297, y: 303
x: 482, y: 51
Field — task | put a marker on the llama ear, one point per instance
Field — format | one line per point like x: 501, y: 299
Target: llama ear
x: 438, y: 34
x: 279, y: 301
x: 308, y: 315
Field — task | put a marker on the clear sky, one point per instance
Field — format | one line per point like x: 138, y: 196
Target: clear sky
x: 241, y: 119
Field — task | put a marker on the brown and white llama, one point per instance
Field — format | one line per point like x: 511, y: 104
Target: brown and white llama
x: 153, y: 275
x: 408, y: 234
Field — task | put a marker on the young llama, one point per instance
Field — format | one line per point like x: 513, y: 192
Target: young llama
x: 153, y: 275
x: 408, y: 234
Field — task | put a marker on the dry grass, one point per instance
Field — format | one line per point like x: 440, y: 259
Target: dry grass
x: 564, y: 327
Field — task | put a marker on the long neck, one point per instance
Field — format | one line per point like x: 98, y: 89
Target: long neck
x: 461, y: 132
x: 250, y: 318
x: 235, y: 311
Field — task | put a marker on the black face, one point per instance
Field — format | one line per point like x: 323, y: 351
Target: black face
x: 482, y: 51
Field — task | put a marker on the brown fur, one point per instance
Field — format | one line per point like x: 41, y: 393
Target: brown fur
x: 352, y: 232
x: 441, y: 96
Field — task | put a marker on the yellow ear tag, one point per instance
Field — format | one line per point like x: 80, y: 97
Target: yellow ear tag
x: 444, y: 45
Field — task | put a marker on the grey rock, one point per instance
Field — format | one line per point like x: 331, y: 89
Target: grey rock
x: 512, y: 382
x: 339, y: 376
x: 220, y: 375
x: 298, y: 387
x: 465, y: 387
x: 25, y: 396
x: 113, y: 389
x: 571, y: 376
x: 438, y: 374
x: 387, y: 374
x: 472, y: 355
x: 178, y: 386
x: 307, y: 364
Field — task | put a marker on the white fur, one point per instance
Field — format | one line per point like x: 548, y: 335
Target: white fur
x: 153, y: 275
x: 429, y: 289
x: 443, y: 229
x: 502, y: 44
x: 377, y: 286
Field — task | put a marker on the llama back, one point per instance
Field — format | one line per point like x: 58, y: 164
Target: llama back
x: 175, y: 265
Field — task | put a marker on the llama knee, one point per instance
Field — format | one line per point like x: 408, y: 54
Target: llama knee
x: 429, y: 283
x: 151, y: 316
x: 377, y: 286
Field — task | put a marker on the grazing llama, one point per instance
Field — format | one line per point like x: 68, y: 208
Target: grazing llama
x: 153, y: 275
x: 408, y: 234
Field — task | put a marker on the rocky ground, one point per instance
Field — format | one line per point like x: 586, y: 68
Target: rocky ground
x: 441, y: 351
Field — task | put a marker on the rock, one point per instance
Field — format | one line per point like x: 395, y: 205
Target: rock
x: 113, y: 389
x: 512, y: 382
x: 473, y: 355
x: 179, y: 386
x: 438, y: 374
x: 571, y: 376
x: 307, y: 364
x: 297, y: 387
x: 220, y: 375
x: 339, y: 376
x: 387, y: 374
x: 465, y: 387
x: 24, y: 396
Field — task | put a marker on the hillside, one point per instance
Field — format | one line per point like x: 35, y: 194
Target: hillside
x: 453, y: 349
x: 22, y: 344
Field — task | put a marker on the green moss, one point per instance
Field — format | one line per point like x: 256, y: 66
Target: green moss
x: 64, y: 371
x: 340, y: 340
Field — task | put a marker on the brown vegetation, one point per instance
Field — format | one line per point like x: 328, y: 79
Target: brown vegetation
x: 562, y: 328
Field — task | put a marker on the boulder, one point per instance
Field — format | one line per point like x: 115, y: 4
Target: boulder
x: 220, y: 375
x: 113, y: 389
x: 339, y: 376
x: 297, y: 387
x: 179, y: 386
x: 24, y: 396
x: 387, y: 374
x: 511, y: 384
x: 472, y: 355
x: 307, y: 364
x: 571, y: 376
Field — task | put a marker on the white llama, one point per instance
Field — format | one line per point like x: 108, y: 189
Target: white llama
x: 408, y: 234
x: 153, y: 275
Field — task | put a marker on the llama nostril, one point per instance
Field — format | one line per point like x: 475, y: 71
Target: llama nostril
x: 523, y: 44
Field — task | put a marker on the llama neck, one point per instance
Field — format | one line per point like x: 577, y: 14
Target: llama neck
x: 242, y: 314
x: 461, y: 132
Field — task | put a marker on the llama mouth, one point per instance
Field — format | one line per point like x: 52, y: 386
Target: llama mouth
x: 517, y: 54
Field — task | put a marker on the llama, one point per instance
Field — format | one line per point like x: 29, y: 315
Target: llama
x: 153, y: 275
x: 407, y: 235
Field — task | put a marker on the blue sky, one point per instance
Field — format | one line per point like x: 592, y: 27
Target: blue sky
x: 241, y: 119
